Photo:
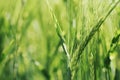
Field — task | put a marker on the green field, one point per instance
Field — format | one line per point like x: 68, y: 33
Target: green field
x: 59, y: 39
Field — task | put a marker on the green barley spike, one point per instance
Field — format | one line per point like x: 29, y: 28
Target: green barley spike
x: 76, y: 56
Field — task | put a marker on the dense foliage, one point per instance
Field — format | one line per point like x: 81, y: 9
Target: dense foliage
x: 59, y: 40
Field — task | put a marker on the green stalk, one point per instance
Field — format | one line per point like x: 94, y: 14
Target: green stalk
x: 59, y: 32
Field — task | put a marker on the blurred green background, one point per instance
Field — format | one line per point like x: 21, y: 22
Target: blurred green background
x: 30, y: 48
